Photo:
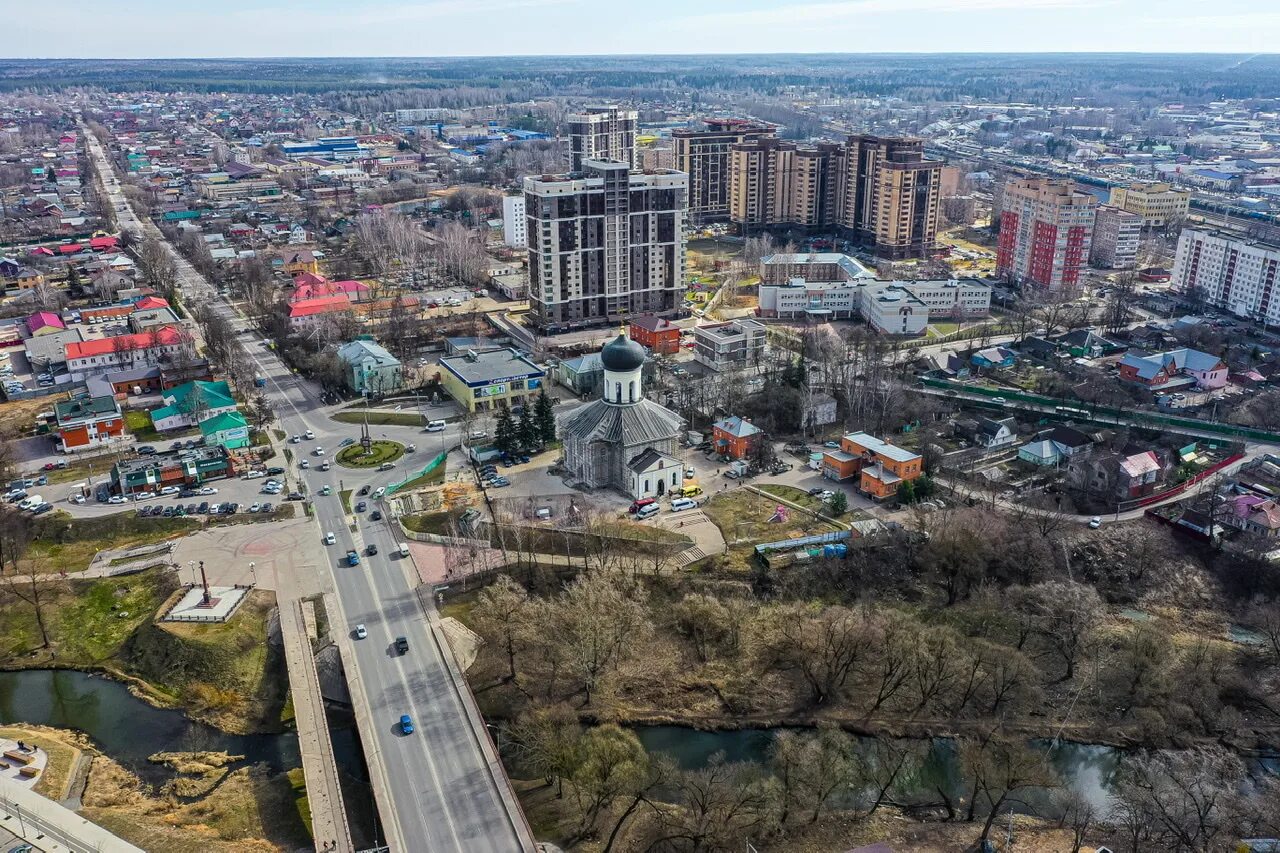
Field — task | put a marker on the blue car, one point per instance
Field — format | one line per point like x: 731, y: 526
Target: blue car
x: 406, y: 724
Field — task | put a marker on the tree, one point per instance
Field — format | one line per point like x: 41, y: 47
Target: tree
x: 547, y: 739
x: 1066, y: 616
x: 1000, y: 768
x: 156, y: 264
x: 506, y: 437
x: 1184, y: 799
x: 598, y: 623
x: 545, y: 418
x: 823, y: 645
x: 527, y: 430
x: 839, y: 503
x: 260, y: 411
x: 499, y: 613
x: 611, y: 762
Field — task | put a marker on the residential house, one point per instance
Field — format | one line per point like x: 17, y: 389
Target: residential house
x: 88, y: 422
x: 1118, y: 476
x: 45, y: 323
x: 191, y: 403
x: 153, y: 347
x: 1254, y: 514
x: 1176, y: 367
x: 949, y: 364
x: 370, y: 368
x: 296, y: 261
x: 25, y: 278
x: 880, y: 466
x: 735, y: 437
x: 581, y: 375
x: 1055, y: 446
x: 229, y: 430
x: 1083, y: 343
x: 729, y: 346
x: 991, y: 357
x: 308, y: 313
x: 658, y: 335
x: 992, y: 434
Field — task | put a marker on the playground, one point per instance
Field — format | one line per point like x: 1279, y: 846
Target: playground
x: 747, y: 519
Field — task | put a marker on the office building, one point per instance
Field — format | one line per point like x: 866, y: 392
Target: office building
x: 514, y: 227
x: 1230, y: 272
x: 781, y: 267
x: 604, y: 244
x: 602, y: 133
x: 729, y: 346
x: 484, y: 380
x: 1046, y: 228
x: 891, y: 195
x: 1157, y: 203
x: 703, y: 154
x: 943, y: 299
x: 777, y: 183
x: 1116, y: 236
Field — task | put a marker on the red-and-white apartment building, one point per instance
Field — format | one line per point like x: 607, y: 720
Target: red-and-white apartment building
x: 1046, y: 228
x: 1234, y: 273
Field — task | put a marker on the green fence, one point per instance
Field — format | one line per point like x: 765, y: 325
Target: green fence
x: 1138, y: 418
x: 426, y: 469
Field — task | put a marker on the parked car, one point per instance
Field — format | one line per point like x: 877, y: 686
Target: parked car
x: 275, y: 471
x: 170, y: 490
x: 361, y: 632
x: 375, y: 516
x: 364, y: 490
x: 1095, y: 522
x: 681, y: 504
x: 145, y: 450
x: 203, y: 508
x: 207, y: 490
x: 360, y: 506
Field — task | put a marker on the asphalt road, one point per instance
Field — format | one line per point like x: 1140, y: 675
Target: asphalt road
x: 443, y: 790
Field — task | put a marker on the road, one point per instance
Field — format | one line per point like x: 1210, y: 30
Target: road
x: 441, y: 788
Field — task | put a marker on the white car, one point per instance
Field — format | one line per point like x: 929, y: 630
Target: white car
x: 310, y: 435
x: 75, y: 499
x: 319, y: 451
x: 254, y: 474
x: 144, y: 496
x: 325, y: 466
x: 329, y: 539
x: 170, y: 490
x: 304, y: 464
x: 116, y: 499
x: 379, y: 492
x: 1095, y: 522
x: 435, y: 426
x: 361, y: 632
x: 295, y: 439
x: 206, y: 490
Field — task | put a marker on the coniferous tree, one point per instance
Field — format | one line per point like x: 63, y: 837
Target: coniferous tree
x: 505, y: 434
x: 545, y: 419
x: 527, y: 430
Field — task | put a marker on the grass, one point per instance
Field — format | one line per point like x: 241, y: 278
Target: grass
x: 743, y: 518
x: 353, y: 456
x: 20, y: 415
x: 345, y: 497
x: 299, y: 785
x: 381, y: 418
x: 433, y: 477
x: 282, y: 512
x: 794, y: 495
x: 61, y: 542
x: 428, y: 522
x: 138, y: 422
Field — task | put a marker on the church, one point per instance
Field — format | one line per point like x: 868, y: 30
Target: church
x: 623, y: 441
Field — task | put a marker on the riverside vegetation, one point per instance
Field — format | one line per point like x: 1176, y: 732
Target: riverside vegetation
x: 993, y: 629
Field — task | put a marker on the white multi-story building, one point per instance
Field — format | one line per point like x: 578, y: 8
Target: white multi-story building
x: 1117, y: 234
x: 730, y: 346
x: 605, y: 243
x: 602, y: 133
x: 514, y: 228
x: 1230, y: 272
x: 893, y: 310
x: 943, y: 299
x: 412, y: 116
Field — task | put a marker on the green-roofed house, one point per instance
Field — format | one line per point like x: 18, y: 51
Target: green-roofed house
x: 228, y: 429
x: 190, y: 403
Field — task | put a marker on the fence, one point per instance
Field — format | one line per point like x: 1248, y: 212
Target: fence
x: 1081, y: 409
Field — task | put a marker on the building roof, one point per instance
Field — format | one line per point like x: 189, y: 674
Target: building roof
x: 319, y: 305
x: 1041, y: 449
x: 214, y: 395
x: 354, y: 351
x: 736, y: 427
x: 850, y: 265
x: 1065, y: 436
x: 1140, y: 463
x: 44, y: 319
x: 880, y: 447
x: 224, y: 421
x: 651, y: 323
x: 644, y: 422
x: 86, y: 407
x: 491, y: 366
x: 647, y: 458
x: 163, y: 336
x: 992, y: 427
x: 622, y: 354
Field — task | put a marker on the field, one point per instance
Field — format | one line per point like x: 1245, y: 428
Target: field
x: 61, y: 543
x: 743, y: 518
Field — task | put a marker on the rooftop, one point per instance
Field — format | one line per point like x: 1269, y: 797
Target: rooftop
x: 880, y: 447
x: 482, y: 368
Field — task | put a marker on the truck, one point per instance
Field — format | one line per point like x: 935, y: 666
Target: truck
x: 353, y: 558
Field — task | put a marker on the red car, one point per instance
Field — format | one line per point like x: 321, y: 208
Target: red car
x: 49, y: 466
x: 636, y: 506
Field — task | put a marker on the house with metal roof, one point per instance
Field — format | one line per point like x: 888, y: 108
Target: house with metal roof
x: 191, y: 403
x: 483, y: 381
x: 369, y: 368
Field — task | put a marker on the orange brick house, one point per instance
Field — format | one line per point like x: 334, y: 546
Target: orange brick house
x: 734, y: 437
x: 88, y: 422
x: 879, y: 465
x: 659, y: 335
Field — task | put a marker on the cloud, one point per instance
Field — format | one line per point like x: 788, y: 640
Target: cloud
x: 809, y: 14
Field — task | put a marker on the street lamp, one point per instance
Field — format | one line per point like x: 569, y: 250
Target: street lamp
x: 192, y: 565
x: 253, y: 572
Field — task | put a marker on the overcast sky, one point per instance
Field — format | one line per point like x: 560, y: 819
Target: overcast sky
x: 205, y: 28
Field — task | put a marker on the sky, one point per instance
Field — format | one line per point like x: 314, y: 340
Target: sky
x: 232, y: 28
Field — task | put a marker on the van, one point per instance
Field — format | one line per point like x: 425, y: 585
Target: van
x: 404, y: 549
x: 640, y: 504
x: 689, y: 490
x: 680, y: 504
x: 435, y: 426
x: 649, y: 510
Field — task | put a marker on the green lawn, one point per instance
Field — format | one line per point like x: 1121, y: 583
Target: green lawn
x: 796, y: 496
x: 353, y: 456
x: 381, y: 418
x: 63, y: 543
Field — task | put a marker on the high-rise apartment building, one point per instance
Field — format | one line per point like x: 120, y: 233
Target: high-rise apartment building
x: 1117, y: 234
x: 703, y: 154
x: 514, y: 225
x: 1230, y: 272
x: 602, y: 133
x: 882, y: 191
x: 604, y: 244
x: 774, y: 182
x: 1157, y: 203
x: 891, y: 195
x: 1046, y: 228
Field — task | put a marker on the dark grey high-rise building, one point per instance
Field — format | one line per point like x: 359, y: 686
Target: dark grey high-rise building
x: 703, y: 154
x: 602, y: 133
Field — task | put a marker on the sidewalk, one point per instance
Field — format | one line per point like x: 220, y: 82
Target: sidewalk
x: 47, y: 825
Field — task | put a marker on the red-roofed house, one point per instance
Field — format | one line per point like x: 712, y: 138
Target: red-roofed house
x: 104, y: 244
x: 659, y: 335
x: 150, y: 303
x: 308, y: 278
x: 307, y: 312
x: 144, y: 349
x: 1254, y: 514
x: 354, y: 291
x: 71, y: 249
x: 45, y: 323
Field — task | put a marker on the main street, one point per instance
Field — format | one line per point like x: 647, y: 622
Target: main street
x: 441, y: 788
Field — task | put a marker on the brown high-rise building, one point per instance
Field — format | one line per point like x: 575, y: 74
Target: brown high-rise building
x: 891, y: 195
x: 880, y: 190
x: 703, y: 154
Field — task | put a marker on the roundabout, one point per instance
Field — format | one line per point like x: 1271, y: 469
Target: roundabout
x: 354, y: 456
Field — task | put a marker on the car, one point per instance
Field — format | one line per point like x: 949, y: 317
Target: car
x: 402, y: 645
x: 386, y: 466
x: 325, y: 466
x: 410, y: 448
x: 254, y: 473
x: 275, y: 471
x: 207, y: 490
x: 731, y: 474
x: 379, y: 492
x: 477, y: 434
x: 304, y: 464
x: 44, y: 507
x: 317, y: 451
x: 329, y: 539
x: 364, y: 490
x: 1095, y: 522
x: 309, y: 435
x: 145, y: 450
x: 76, y: 499
x: 326, y: 490
x: 295, y: 496
x: 435, y: 426
x: 203, y: 508
x: 49, y: 466
x: 116, y: 499
x: 352, y: 558
x: 640, y: 504
x: 192, y: 509
x: 372, y: 550
x: 689, y: 473
x: 170, y: 490
x: 295, y: 439
x: 268, y: 507
x: 406, y: 724
x: 375, y: 516
x: 167, y: 512
x: 144, y: 496
x: 361, y: 632
x: 255, y: 507
x: 500, y: 482
x: 233, y: 507
x: 1000, y: 400
x: 346, y: 442
x: 187, y: 493
x: 834, y: 445
x: 360, y: 506
x: 681, y: 504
